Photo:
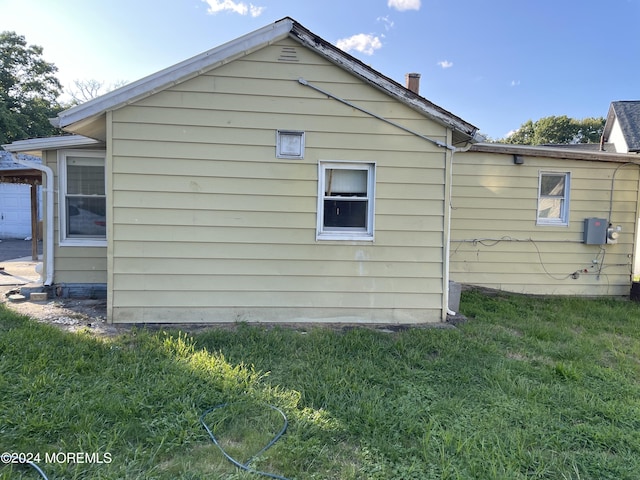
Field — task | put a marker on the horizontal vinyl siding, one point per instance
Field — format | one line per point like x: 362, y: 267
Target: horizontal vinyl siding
x: 209, y: 225
x: 80, y: 265
x: 497, y: 244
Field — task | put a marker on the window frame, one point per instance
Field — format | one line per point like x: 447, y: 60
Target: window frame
x: 65, y: 239
x: 346, y: 233
x: 563, y: 220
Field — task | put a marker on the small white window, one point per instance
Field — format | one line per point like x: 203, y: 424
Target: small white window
x: 82, y: 199
x: 289, y: 144
x: 553, y: 198
x: 345, y: 201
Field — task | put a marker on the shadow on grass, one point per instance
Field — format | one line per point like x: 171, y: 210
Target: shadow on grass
x: 129, y: 407
x: 527, y: 390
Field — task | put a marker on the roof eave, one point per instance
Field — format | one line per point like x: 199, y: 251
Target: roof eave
x: 553, y: 152
x: 380, y: 81
x: 174, y: 74
x: 219, y: 55
x: 50, y: 143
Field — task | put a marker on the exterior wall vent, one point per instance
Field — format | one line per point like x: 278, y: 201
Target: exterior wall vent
x: 288, y: 55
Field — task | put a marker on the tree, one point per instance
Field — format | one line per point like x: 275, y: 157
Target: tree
x: 28, y: 90
x: 88, y: 89
x: 557, y: 130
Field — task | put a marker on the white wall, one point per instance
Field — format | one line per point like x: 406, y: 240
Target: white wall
x: 15, y: 210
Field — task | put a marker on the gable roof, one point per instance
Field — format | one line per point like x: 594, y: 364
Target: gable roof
x: 92, y: 110
x: 12, y: 172
x: 628, y: 115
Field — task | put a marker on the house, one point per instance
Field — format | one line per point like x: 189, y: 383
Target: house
x: 547, y: 220
x: 622, y: 127
x: 274, y: 178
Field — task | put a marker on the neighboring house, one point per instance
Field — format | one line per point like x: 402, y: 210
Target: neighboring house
x: 274, y: 178
x: 15, y: 196
x: 622, y: 127
x: 518, y: 219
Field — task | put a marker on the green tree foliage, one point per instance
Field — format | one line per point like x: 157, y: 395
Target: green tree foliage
x: 28, y: 90
x: 557, y: 130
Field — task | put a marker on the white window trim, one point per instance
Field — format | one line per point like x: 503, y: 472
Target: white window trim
x: 347, y: 234
x: 62, y: 191
x: 563, y: 221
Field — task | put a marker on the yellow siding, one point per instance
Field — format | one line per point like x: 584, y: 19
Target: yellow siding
x: 209, y: 226
x: 82, y: 265
x: 497, y: 244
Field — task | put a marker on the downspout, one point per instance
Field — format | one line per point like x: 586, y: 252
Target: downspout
x: 447, y: 243
x: 447, y: 146
x: 49, y: 214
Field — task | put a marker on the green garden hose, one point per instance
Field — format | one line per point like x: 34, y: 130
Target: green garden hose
x: 245, y: 466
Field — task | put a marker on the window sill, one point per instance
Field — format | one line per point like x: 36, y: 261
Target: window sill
x: 552, y: 224
x: 83, y: 243
x: 351, y: 237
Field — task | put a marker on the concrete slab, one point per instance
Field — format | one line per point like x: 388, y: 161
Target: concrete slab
x: 20, y: 271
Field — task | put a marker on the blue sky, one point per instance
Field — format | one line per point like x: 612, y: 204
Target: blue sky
x: 495, y: 63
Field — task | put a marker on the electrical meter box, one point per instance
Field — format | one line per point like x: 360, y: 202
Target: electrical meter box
x: 595, y: 231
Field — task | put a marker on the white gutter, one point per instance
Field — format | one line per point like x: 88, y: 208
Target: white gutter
x: 50, y: 143
x: 49, y: 214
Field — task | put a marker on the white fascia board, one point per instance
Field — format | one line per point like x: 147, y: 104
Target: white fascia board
x: 174, y: 74
x: 49, y: 143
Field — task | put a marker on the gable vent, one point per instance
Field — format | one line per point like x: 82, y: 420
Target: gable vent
x: 288, y: 54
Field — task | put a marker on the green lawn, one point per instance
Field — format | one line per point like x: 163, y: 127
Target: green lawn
x: 527, y: 389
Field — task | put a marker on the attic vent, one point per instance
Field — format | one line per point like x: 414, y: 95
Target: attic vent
x: 288, y: 54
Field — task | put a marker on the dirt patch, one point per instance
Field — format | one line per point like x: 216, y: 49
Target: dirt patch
x: 90, y: 316
x: 69, y: 315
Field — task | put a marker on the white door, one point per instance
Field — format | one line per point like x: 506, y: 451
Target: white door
x: 15, y: 210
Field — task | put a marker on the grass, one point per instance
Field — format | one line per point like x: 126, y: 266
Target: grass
x: 528, y: 389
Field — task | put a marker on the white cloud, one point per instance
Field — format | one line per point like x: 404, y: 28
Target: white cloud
x: 241, y: 8
x: 256, y: 11
x: 403, y: 5
x: 445, y: 64
x: 515, y: 83
x: 362, y: 42
x: 388, y: 23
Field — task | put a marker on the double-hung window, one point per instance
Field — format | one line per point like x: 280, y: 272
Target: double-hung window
x: 345, y: 201
x: 82, y: 198
x: 553, y: 198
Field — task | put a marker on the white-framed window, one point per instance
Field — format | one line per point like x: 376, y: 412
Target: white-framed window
x: 553, y: 198
x: 346, y: 193
x: 289, y: 144
x: 82, y: 198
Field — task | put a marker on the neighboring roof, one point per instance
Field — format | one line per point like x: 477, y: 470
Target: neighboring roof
x: 36, y: 145
x: 628, y: 115
x: 7, y: 161
x: 559, y: 151
x: 91, y: 110
x: 12, y: 172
